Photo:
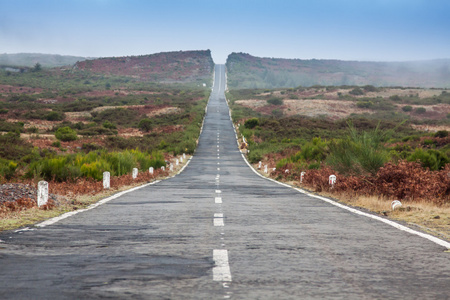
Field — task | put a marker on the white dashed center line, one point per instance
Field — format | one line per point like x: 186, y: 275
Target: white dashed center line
x: 218, y: 220
x: 221, y: 272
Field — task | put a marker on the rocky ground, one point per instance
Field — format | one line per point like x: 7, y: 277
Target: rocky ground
x: 13, y: 192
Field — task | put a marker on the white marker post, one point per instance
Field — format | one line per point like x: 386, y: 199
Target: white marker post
x: 177, y: 162
x: 42, y: 196
x: 302, y: 175
x: 396, y: 204
x: 135, y: 173
x: 106, y: 180
x: 163, y: 168
x: 259, y: 165
x: 184, y: 155
x: 265, y: 169
x: 150, y: 170
x: 332, y: 180
x: 171, y: 167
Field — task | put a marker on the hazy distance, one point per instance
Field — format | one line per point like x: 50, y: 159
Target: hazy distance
x: 377, y: 30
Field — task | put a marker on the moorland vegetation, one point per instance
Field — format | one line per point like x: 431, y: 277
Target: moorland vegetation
x: 69, y: 125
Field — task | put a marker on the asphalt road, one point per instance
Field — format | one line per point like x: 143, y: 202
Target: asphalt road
x: 219, y: 231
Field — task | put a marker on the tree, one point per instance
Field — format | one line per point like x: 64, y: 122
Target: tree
x: 145, y: 125
x: 37, y: 67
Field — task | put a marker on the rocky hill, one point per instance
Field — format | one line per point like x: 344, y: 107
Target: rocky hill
x: 246, y: 71
x: 181, y: 66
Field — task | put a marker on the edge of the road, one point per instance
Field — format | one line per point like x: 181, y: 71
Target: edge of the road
x: 105, y: 200
x: 429, y: 237
x: 117, y: 195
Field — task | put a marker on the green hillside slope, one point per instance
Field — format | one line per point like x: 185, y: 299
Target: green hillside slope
x: 246, y: 71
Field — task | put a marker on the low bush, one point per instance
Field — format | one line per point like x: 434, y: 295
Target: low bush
x: 275, y: 101
x: 251, y: 123
x: 356, y: 92
x: 421, y: 110
x: 441, y: 134
x: 7, y: 168
x: 66, y: 134
x: 145, y: 125
x: 97, y: 130
x: 432, y: 159
x: 12, y: 147
x: 407, y: 108
x: 359, y: 153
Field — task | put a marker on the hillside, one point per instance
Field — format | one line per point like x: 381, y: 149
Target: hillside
x: 30, y: 59
x: 246, y: 71
x: 181, y: 66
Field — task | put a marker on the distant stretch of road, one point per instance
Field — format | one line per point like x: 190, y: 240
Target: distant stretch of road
x: 219, y: 231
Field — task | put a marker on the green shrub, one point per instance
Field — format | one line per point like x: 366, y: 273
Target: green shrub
x: 120, y: 116
x: 407, y: 108
x: 58, y: 169
x: 3, y: 111
x: 12, y: 147
x: 254, y: 156
x: 395, y: 98
x: 314, y: 165
x: 359, y: 153
x: 97, y: 130
x: 282, y: 163
x: 370, y: 88
x: 275, y: 101
x: 364, y: 104
x: 421, y: 110
x: 441, y: 134
x: 33, y: 129
x: 315, y: 150
x: 7, y: 168
x: 66, y: 134
x: 251, y: 123
x: 54, y: 116
x: 109, y: 125
x: 433, y: 159
x: 11, y: 127
x: 145, y: 125
x: 356, y: 91
x: 95, y: 169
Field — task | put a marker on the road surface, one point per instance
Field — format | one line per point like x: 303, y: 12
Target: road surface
x: 219, y: 231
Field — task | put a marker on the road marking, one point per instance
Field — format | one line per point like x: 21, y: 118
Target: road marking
x: 218, y: 221
x: 355, y: 211
x: 218, y: 200
x: 221, y: 272
x: 218, y: 191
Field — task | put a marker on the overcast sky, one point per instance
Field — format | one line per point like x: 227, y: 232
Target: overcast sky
x: 374, y: 30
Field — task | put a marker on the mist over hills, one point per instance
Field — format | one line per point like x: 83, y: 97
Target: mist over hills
x: 30, y: 59
x: 247, y: 71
